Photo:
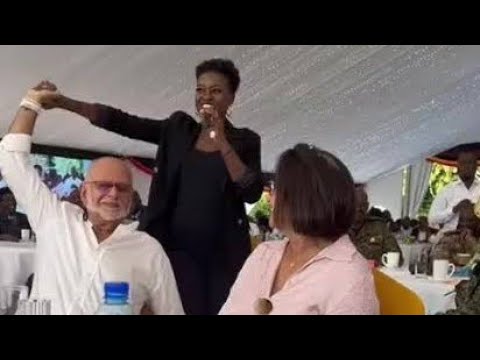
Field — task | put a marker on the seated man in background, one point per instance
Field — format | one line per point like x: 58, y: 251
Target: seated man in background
x: 406, y: 228
x: 387, y: 216
x: 422, y: 232
x: 464, y: 240
x: 78, y: 250
x: 414, y: 224
x: 370, y: 234
x: 11, y: 221
x: 394, y: 228
x: 467, y: 297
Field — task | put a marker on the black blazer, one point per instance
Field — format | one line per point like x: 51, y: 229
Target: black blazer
x: 175, y: 136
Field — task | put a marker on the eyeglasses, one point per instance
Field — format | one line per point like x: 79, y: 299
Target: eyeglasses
x: 104, y: 187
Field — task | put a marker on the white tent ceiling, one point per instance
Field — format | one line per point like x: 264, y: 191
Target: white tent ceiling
x: 378, y: 107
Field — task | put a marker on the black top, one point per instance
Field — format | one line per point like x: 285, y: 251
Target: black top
x: 176, y: 137
x: 197, y: 220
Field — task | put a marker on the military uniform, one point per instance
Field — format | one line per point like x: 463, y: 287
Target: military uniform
x: 454, y: 242
x: 467, y: 296
x: 375, y: 239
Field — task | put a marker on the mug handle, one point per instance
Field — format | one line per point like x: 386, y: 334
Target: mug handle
x: 384, y: 260
x: 452, y: 270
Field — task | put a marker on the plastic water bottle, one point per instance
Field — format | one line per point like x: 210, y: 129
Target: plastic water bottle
x: 116, y: 300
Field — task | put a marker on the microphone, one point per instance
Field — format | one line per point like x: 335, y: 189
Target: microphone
x: 208, y: 119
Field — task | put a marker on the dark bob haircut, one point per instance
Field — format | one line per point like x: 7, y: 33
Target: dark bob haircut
x: 314, y: 193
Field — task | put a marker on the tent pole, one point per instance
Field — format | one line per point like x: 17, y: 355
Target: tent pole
x: 407, y: 171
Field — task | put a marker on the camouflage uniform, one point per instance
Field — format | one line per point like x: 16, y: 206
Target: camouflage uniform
x: 375, y: 239
x: 454, y: 242
x: 467, y: 296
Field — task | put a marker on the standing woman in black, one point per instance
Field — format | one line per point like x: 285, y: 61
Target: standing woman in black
x: 205, y: 172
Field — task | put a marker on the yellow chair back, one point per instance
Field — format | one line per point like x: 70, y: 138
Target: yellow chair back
x: 394, y: 298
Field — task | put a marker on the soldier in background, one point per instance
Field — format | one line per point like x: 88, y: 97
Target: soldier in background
x: 467, y: 298
x: 463, y: 240
x: 371, y: 234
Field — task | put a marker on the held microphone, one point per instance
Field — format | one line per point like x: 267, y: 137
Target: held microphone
x: 208, y: 120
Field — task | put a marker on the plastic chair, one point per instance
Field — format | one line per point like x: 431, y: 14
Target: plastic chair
x: 394, y: 298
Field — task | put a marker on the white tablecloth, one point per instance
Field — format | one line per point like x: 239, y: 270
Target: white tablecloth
x: 16, y: 262
x: 431, y: 292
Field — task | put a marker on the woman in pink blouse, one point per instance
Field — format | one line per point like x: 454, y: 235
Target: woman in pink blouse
x: 317, y: 270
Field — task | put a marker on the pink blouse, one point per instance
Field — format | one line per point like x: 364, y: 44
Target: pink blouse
x: 337, y: 281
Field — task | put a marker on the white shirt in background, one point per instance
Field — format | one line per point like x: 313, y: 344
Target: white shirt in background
x: 71, y: 268
x: 441, y: 211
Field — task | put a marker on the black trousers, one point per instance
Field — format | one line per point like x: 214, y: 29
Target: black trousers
x: 203, y: 285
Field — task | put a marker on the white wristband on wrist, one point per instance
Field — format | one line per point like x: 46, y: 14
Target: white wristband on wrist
x: 31, y: 105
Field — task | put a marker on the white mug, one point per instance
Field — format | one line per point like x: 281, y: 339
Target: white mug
x: 391, y: 259
x: 442, y: 269
x: 25, y: 234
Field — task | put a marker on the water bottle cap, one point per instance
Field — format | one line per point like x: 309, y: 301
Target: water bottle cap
x: 116, y: 290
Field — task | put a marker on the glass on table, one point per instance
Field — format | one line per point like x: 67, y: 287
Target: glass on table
x: 10, y: 297
x: 35, y: 307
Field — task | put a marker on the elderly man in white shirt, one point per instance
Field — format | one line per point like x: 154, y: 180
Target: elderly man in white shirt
x: 77, y: 251
x: 463, y: 192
